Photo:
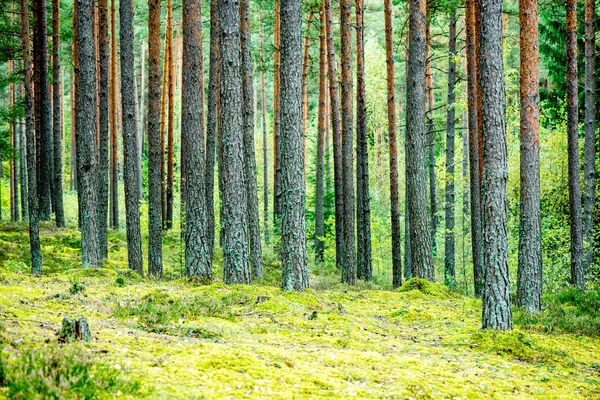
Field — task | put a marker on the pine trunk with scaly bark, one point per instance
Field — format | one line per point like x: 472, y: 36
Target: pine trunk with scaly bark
x: 171, y: 120
x: 103, y: 119
x: 113, y: 111
x: 322, y: 127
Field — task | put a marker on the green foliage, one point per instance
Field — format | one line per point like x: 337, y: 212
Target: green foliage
x: 572, y: 311
x: 57, y: 372
x: 159, y: 307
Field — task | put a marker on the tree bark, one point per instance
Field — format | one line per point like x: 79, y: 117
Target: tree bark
x: 34, y: 232
x: 103, y: 162
x: 497, y: 313
x: 248, y: 142
x: 276, y: 111
x: 114, y: 156
x: 529, y: 280
x: 393, y: 151
x: 154, y: 143
x: 430, y: 139
x: 86, y: 136
x: 295, y: 275
x: 420, y: 241
x: 234, y: 204
x: 171, y: 119
x: 129, y: 118
x: 305, y: 66
x: 364, y: 267
x: 349, y: 258
x: 263, y: 106
x: 322, y: 127
x: 577, y: 274
x: 449, y: 243
x: 142, y: 116
x: 23, y: 169
x: 13, y: 166
x: 474, y: 157
x: 197, y: 254
x: 163, y: 129
x: 589, y: 154
x: 334, y: 106
x: 44, y: 121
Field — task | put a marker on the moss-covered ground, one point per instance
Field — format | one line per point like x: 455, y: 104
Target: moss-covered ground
x: 177, y: 339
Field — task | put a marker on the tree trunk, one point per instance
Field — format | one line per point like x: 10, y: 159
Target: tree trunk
x: 276, y: 111
x: 474, y: 156
x: 529, y: 281
x: 430, y: 140
x: 142, y: 116
x: 589, y: 167
x: 364, y: 267
x: 263, y: 106
x: 197, y: 254
x: 295, y: 275
x: 337, y: 138
x: 449, y: 256
x: 104, y: 56
x: 497, y: 313
x: 322, y: 127
x: 114, y: 155
x: 154, y: 143
x: 86, y: 136
x: 305, y: 65
x: 407, y: 255
x: 14, y: 168
x: 23, y: 169
x: 44, y: 121
x: 234, y: 205
x: 212, y: 124
x: 171, y: 120
x: 34, y: 232
x: 129, y: 118
x: 249, y: 154
x: 420, y: 241
x: 577, y: 278
x: 349, y: 258
x: 393, y: 151
x: 163, y: 128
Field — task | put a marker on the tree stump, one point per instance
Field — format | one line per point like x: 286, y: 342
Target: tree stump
x: 75, y: 329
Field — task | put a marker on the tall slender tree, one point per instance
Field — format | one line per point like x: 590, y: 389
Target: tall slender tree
x: 429, y: 118
x: 449, y: 243
x: 212, y: 124
x: 305, y: 68
x: 349, y: 258
x: 248, y: 141
x: 573, y: 148
x: 364, y: 264
x: 474, y: 157
x: 322, y: 127
x: 589, y: 154
x: 529, y: 279
x: 334, y: 109
x: 197, y: 255
x: 87, y: 158
x: 113, y: 111
x: 129, y: 118
x: 154, y: 145
x: 295, y: 274
x: 103, y: 159
x: 276, y: 110
x: 34, y: 232
x: 497, y: 313
x: 420, y: 242
x: 263, y: 106
x: 393, y: 151
x: 44, y: 118
x: 234, y: 206
x: 170, y: 78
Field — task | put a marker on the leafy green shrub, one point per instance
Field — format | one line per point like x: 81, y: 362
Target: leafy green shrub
x: 572, y: 311
x: 67, y: 372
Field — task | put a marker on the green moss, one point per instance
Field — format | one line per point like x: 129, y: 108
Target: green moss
x: 433, y: 289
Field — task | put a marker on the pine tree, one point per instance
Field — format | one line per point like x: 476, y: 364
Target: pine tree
x: 103, y: 160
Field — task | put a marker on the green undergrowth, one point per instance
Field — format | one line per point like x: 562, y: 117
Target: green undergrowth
x: 67, y: 372
x: 179, y: 339
x: 570, y: 311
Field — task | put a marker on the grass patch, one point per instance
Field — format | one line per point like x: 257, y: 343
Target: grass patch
x: 67, y: 372
x: 433, y: 289
x: 570, y: 311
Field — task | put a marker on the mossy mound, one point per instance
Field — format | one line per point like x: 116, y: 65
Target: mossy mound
x: 426, y: 287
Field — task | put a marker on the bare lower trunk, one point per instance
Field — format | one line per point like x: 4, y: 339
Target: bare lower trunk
x: 103, y: 161
x: 322, y: 127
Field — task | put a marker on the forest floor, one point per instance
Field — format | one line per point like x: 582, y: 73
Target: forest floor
x: 177, y: 339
